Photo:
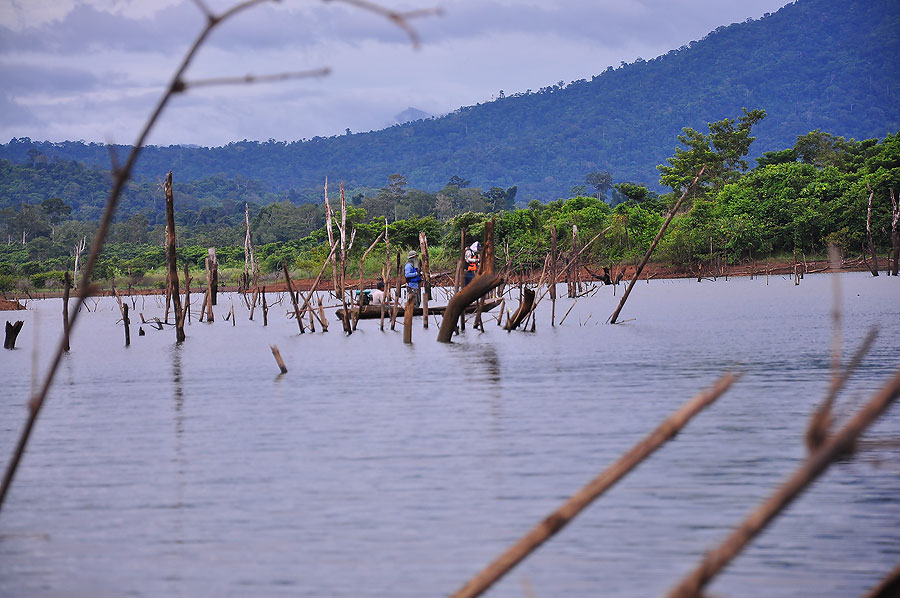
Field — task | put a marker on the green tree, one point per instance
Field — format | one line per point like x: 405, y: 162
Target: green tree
x: 601, y: 181
x: 56, y: 210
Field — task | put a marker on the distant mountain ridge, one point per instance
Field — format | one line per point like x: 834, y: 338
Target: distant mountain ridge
x: 815, y: 64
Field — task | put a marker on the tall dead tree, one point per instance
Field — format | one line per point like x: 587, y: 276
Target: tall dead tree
x: 214, y: 276
x: 895, y: 238
x: 426, y: 280
x: 874, y: 266
x: 251, y: 268
x: 552, y: 275
x: 77, y: 251
x: 329, y: 226
x: 487, y: 265
x: 171, y: 259
x: 210, y: 293
x: 386, y: 273
x: 65, y: 310
x: 345, y: 251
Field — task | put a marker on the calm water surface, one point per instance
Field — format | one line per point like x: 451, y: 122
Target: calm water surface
x: 379, y: 469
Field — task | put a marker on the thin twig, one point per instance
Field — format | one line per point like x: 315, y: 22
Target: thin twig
x: 399, y: 18
x: 252, y: 79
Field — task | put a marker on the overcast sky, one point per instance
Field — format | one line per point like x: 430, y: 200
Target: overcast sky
x: 94, y: 69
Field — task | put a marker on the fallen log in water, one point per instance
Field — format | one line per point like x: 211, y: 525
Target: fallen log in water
x: 480, y: 286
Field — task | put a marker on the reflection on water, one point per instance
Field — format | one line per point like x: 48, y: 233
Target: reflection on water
x: 378, y: 469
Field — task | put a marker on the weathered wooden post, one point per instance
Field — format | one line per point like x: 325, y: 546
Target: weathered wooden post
x: 127, y: 323
x: 426, y: 282
x: 265, y: 308
x: 552, y: 275
x: 65, y: 310
x: 171, y: 259
x: 214, y: 277
x: 408, y: 319
x: 12, y: 332
x: 277, y: 354
x: 386, y: 272
x: 487, y: 263
x: 210, y: 293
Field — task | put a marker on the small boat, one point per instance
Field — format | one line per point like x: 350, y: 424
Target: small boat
x: 369, y: 312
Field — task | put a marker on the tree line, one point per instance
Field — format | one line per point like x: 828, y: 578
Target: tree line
x: 797, y: 199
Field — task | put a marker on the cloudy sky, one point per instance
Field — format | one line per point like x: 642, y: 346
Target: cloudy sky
x: 94, y: 69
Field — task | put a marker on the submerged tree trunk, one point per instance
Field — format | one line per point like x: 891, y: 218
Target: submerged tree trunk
x: 171, y: 259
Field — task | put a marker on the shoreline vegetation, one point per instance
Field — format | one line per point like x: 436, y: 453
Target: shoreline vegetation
x: 652, y: 271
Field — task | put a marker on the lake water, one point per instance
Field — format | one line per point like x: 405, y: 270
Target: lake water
x: 375, y: 468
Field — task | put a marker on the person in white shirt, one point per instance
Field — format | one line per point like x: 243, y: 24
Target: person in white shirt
x: 378, y: 294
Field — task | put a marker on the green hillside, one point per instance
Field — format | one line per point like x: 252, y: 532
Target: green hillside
x: 815, y: 64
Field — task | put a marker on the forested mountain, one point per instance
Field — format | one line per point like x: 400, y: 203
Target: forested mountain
x: 832, y: 65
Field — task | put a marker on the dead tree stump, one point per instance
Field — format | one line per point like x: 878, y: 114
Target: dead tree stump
x: 12, y: 331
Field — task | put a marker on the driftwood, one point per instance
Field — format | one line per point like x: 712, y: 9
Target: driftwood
x: 479, y: 287
x: 835, y: 447
x: 662, y: 230
x: 596, y: 487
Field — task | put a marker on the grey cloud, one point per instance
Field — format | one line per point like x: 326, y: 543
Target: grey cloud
x: 20, y: 78
x: 86, y: 28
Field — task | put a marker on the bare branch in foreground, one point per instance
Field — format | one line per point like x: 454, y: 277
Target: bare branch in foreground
x: 837, y: 446
x: 584, y: 497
